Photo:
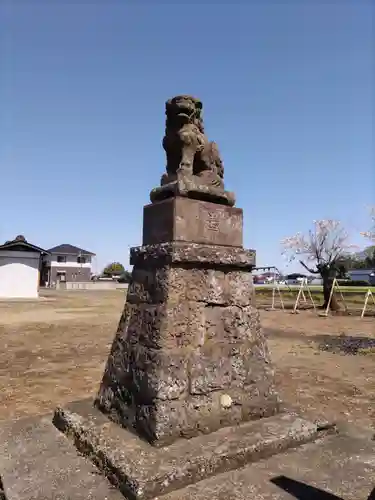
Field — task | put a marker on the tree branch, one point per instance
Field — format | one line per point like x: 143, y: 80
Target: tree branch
x: 308, y: 269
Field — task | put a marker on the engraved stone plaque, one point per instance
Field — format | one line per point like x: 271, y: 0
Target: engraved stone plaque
x: 189, y: 220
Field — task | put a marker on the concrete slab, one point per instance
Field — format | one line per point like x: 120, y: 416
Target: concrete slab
x: 142, y: 471
x: 37, y: 462
x: 338, y: 467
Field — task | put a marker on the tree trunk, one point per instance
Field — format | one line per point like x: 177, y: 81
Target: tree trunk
x: 327, y: 287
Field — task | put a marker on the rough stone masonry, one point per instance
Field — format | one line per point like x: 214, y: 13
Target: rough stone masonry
x: 189, y: 356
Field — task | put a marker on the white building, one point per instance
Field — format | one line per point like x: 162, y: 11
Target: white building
x: 20, y: 264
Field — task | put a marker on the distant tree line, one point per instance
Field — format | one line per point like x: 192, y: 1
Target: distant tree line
x: 117, y: 270
x: 363, y: 260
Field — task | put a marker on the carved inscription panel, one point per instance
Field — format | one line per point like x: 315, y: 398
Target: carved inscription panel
x: 213, y: 220
x: 214, y: 224
x: 185, y: 219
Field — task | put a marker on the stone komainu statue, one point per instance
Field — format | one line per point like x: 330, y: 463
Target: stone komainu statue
x: 187, y: 148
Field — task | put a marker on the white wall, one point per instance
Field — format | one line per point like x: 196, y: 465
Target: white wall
x: 19, y: 274
x: 92, y: 285
x: 71, y: 261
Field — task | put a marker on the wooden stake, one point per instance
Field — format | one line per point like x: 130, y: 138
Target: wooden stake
x: 276, y: 286
x: 302, y: 294
x: 368, y: 295
x: 335, y: 285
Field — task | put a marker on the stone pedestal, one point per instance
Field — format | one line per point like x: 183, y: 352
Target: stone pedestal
x: 192, y: 221
x: 189, y: 356
x: 192, y: 186
x: 188, y: 389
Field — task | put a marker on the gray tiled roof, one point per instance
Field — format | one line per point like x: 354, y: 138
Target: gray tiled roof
x: 66, y: 249
x: 17, y: 245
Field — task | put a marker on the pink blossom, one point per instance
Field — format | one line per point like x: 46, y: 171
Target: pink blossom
x: 371, y: 234
x: 324, y: 244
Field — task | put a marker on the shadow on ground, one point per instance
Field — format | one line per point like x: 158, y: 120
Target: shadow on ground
x: 303, y: 491
x: 346, y: 344
x: 338, y: 344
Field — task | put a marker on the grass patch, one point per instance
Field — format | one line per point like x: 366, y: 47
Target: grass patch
x: 358, y: 299
x: 316, y: 288
x: 367, y: 351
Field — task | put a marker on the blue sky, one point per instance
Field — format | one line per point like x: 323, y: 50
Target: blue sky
x: 288, y: 93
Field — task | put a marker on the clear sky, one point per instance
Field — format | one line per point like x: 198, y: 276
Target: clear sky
x: 288, y: 93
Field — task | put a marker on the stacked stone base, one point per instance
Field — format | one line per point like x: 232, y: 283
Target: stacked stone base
x: 38, y: 463
x: 189, y: 356
x: 144, y: 472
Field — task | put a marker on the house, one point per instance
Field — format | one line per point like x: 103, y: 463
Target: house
x: 66, y: 263
x: 269, y: 274
x: 363, y: 275
x: 295, y: 278
x: 20, y: 265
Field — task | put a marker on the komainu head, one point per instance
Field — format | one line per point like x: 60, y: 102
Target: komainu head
x: 182, y: 110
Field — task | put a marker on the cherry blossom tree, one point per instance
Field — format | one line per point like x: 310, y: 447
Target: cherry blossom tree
x: 323, y: 247
x: 371, y: 234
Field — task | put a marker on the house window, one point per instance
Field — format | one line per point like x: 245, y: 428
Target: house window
x: 81, y: 260
x: 61, y: 258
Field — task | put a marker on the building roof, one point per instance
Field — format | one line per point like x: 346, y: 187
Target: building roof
x: 66, y: 249
x: 20, y: 244
x: 361, y: 271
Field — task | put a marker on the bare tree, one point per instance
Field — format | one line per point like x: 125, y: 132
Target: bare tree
x: 371, y: 234
x: 323, y: 247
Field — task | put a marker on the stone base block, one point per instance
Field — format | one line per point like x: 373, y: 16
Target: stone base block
x: 189, y: 355
x: 143, y: 472
x: 184, y: 219
x: 193, y: 255
x: 193, y: 187
x: 332, y: 468
x: 37, y: 462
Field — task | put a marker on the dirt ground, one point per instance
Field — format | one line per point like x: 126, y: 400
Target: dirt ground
x: 54, y: 350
